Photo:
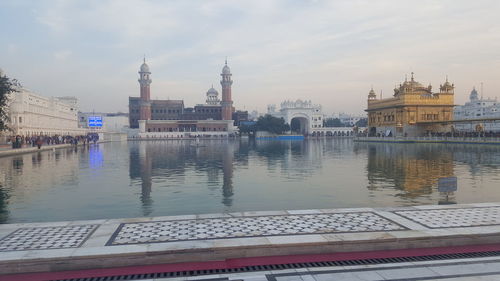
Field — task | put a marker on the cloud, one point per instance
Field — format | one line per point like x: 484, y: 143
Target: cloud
x: 62, y: 55
x: 326, y: 51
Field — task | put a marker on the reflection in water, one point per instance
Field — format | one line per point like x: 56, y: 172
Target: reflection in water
x: 227, y: 174
x: 413, y: 169
x: 169, y: 161
x: 155, y: 178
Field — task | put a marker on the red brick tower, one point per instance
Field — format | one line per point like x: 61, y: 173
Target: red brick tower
x: 144, y: 82
x: 227, y: 102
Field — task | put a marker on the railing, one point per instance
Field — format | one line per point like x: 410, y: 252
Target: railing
x: 433, y: 139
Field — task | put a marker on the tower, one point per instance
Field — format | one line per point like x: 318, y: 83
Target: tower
x: 144, y: 82
x: 473, y: 95
x: 227, y: 102
x: 372, y: 95
x: 447, y: 87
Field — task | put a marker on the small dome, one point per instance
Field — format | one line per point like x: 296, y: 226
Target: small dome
x: 473, y: 94
x: 144, y: 67
x: 226, y: 70
x: 212, y: 91
x: 447, y: 84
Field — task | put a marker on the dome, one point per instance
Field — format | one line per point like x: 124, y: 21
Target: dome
x: 473, y: 94
x: 226, y: 70
x: 144, y: 67
x: 212, y: 91
x: 447, y: 84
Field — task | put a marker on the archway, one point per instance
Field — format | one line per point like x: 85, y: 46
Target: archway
x: 299, y: 125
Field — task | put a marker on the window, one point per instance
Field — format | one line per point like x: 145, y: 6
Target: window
x: 20, y: 119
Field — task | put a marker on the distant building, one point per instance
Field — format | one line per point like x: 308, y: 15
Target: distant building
x: 309, y: 115
x: 32, y: 114
x: 254, y: 115
x: 169, y: 118
x: 477, y: 108
x: 347, y: 119
x: 160, y: 110
x: 111, y: 122
x: 240, y: 116
x: 414, y: 110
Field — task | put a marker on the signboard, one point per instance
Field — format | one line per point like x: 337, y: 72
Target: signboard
x: 94, y: 121
x: 448, y: 184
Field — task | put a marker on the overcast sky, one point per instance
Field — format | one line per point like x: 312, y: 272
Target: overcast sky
x: 330, y: 52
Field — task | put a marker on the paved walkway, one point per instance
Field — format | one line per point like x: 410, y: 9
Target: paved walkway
x: 478, y: 269
x: 43, y: 247
x: 7, y: 151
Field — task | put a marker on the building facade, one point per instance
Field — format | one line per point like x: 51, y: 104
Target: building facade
x: 166, y: 118
x: 309, y: 115
x: 478, y: 108
x: 32, y: 114
x: 414, y: 110
x: 160, y: 110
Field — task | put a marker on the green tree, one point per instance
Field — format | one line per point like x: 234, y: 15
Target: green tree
x: 272, y: 124
x: 7, y: 86
x: 363, y: 122
x: 247, y: 129
x: 332, y: 122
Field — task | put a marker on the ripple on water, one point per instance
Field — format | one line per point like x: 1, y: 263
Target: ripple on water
x: 171, y: 178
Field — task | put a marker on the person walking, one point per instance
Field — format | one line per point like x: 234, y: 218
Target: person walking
x: 39, y: 142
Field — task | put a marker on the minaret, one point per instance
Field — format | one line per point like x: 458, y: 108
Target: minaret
x: 144, y: 82
x: 372, y: 95
x: 227, y: 102
x: 447, y: 87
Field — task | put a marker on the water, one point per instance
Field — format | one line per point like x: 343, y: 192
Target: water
x: 157, y: 178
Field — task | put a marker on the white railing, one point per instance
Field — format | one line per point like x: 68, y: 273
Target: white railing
x: 434, y: 139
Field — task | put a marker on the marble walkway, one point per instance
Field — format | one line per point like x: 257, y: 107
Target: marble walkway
x: 72, y: 245
x: 477, y: 269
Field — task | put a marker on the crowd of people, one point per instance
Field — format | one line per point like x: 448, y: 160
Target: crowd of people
x: 38, y: 141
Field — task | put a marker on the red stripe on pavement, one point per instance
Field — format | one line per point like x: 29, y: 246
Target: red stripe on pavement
x: 241, y: 262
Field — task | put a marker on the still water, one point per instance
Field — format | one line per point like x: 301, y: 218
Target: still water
x: 157, y: 178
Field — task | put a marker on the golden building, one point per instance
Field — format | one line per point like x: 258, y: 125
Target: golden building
x: 414, y: 110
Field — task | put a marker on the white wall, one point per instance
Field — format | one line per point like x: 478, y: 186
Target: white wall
x: 32, y: 114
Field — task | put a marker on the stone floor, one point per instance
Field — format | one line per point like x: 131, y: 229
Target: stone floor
x: 257, y: 226
x: 32, y: 247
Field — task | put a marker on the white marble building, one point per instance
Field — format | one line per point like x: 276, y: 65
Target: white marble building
x: 308, y: 114
x: 477, y: 108
x: 31, y: 114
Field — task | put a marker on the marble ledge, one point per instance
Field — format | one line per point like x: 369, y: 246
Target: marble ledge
x: 455, y: 206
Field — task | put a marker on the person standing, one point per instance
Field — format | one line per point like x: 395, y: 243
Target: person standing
x: 39, y: 142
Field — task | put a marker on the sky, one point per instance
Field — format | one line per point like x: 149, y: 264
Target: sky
x: 329, y: 52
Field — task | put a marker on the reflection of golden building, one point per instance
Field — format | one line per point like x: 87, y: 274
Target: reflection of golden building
x: 413, y: 169
x: 412, y: 111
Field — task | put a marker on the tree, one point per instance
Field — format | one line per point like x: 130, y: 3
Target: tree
x: 7, y: 86
x: 247, y: 128
x: 332, y: 122
x: 272, y: 124
x: 363, y: 122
